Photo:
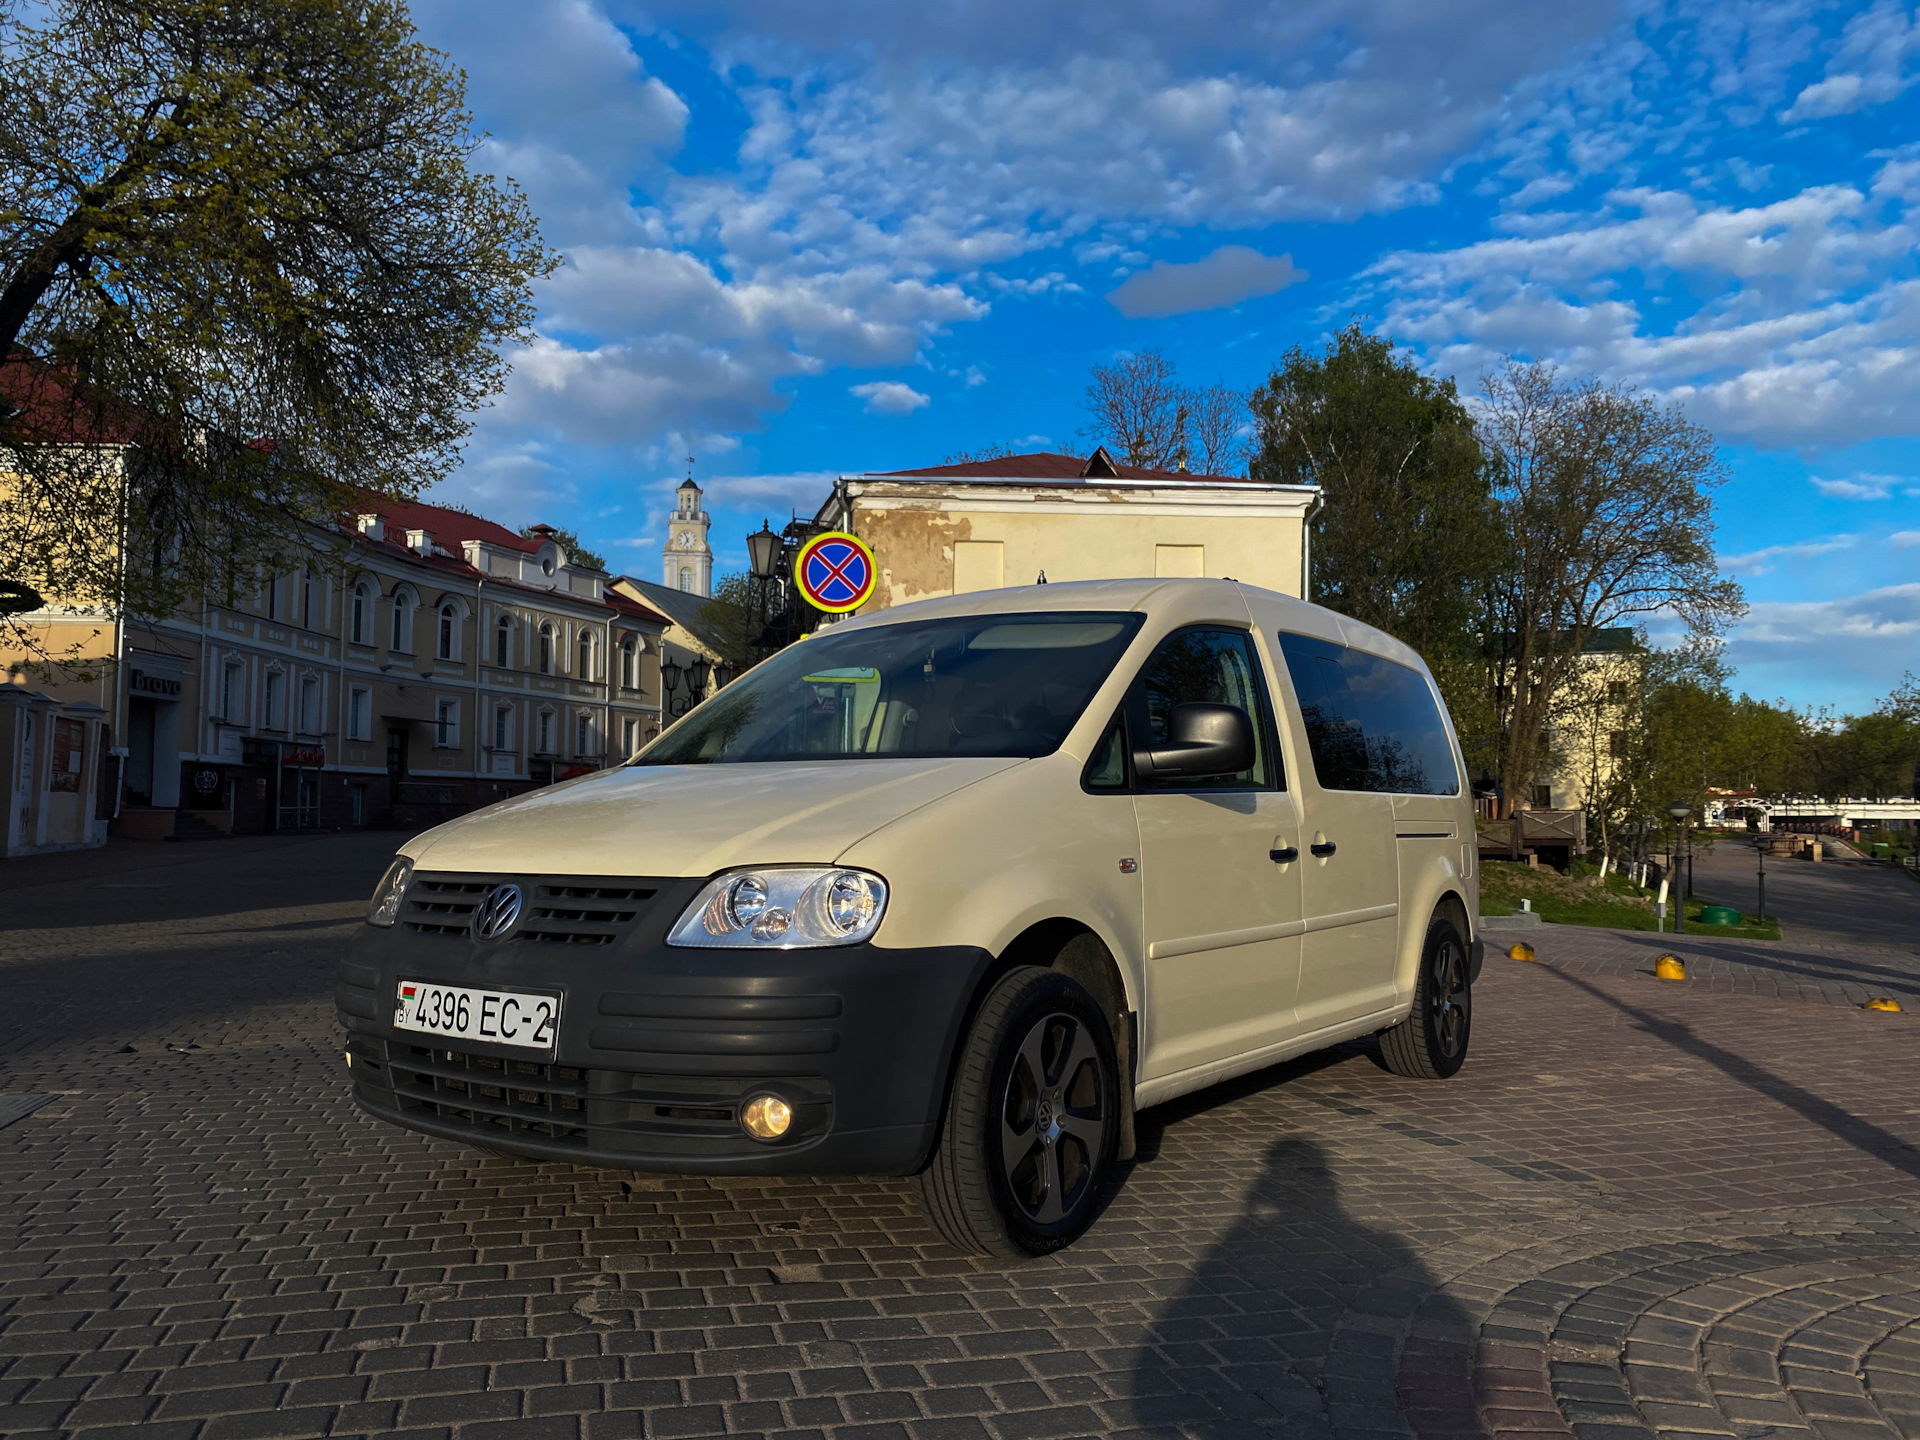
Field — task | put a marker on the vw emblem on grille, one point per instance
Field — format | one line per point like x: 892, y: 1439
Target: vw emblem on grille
x: 497, y: 912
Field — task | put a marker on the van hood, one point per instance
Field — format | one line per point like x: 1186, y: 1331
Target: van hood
x: 693, y: 820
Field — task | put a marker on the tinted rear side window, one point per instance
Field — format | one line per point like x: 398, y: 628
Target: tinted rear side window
x: 1371, y: 724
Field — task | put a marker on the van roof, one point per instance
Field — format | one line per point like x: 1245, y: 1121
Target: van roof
x: 1140, y: 594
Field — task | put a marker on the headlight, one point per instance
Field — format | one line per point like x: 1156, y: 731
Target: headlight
x: 783, y: 908
x: 388, y: 894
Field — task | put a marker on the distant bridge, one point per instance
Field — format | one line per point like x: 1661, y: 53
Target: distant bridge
x: 1849, y: 812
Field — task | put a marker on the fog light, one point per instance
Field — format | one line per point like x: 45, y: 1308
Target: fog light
x: 766, y: 1117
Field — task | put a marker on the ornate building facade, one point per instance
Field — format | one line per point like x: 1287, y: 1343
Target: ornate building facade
x: 433, y: 663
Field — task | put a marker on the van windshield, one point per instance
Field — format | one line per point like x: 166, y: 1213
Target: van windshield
x: 1007, y: 685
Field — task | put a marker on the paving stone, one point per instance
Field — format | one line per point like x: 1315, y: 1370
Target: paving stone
x: 1696, y: 1175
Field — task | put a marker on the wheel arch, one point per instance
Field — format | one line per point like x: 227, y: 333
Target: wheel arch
x: 1051, y: 944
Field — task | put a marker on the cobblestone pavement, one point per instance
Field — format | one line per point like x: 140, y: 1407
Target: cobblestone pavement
x: 1644, y: 1208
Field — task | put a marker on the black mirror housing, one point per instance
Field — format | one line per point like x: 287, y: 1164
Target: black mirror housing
x: 1207, y: 742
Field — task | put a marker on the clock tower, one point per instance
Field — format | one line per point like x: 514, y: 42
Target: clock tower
x: 688, y: 559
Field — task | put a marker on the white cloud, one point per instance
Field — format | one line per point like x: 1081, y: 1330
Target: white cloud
x: 1806, y: 329
x: 1761, y: 562
x: 1054, y: 280
x: 1873, y: 65
x: 1860, y: 487
x: 889, y: 397
x: 799, y: 492
x: 1904, y: 539
x: 1891, y: 613
x: 1229, y: 275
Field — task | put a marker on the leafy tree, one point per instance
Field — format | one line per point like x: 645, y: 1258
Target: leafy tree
x: 249, y: 240
x: 1408, y: 535
x: 1604, y: 497
x: 731, y: 621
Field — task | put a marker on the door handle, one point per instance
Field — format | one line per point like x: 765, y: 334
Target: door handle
x: 1284, y: 854
x: 1323, y: 849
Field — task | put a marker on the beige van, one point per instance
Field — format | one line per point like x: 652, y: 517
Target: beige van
x: 950, y: 891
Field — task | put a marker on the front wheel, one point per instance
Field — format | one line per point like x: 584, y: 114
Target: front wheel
x: 1030, y: 1130
x: 1431, y: 1043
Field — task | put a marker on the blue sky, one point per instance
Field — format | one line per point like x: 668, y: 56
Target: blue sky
x: 809, y: 240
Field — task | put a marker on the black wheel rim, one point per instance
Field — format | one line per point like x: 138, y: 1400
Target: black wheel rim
x: 1447, y: 998
x: 1053, y: 1120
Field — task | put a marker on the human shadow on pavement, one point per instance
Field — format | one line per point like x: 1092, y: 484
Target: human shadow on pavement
x: 1837, y: 1121
x: 1290, y: 1323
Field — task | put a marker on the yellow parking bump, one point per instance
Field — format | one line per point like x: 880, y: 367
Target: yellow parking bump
x: 1520, y: 951
x: 1670, y: 967
x: 1882, y: 1002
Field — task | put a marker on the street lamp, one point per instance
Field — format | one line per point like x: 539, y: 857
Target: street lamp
x: 698, y: 674
x: 763, y: 551
x: 1680, y: 810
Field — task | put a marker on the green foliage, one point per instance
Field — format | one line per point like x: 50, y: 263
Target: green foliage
x: 730, y: 621
x: 249, y: 239
x: 1409, y: 537
x: 1605, y: 499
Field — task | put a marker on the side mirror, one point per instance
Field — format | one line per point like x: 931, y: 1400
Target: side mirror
x: 1208, y: 741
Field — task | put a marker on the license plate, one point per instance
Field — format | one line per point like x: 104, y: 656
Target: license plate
x: 501, y: 1017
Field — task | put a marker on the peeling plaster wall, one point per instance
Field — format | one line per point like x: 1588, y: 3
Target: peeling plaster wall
x: 913, y: 542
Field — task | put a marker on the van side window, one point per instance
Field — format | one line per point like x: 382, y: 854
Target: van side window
x: 1371, y: 724
x: 1208, y: 666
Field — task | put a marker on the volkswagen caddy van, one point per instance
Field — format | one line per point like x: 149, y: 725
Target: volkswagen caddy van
x: 950, y: 891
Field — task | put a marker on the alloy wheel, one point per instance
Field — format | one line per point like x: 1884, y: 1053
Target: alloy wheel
x: 1053, y: 1119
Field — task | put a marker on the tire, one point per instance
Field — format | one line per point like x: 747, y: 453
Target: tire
x: 1004, y: 1181
x: 1431, y: 1043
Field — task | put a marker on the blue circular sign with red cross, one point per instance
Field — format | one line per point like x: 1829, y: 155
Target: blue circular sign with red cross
x: 835, y: 571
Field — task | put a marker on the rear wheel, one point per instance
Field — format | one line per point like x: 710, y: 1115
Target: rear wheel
x: 1029, y: 1134
x: 1431, y: 1043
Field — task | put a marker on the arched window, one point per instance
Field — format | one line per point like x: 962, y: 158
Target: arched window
x: 360, y: 628
x: 545, y: 743
x: 546, y: 650
x: 503, y: 643
x: 586, y: 654
x: 449, y: 632
x: 402, y: 638
x: 686, y: 578
x: 629, y: 666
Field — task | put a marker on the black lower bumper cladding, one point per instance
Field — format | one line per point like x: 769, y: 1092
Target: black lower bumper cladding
x: 658, y: 1048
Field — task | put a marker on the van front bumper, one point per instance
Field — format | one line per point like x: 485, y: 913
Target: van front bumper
x: 659, y: 1047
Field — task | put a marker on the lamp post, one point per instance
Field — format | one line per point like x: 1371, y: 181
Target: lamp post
x: 763, y: 555
x: 1680, y: 810
x: 1760, y: 850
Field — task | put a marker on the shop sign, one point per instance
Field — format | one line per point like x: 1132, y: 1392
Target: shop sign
x: 206, y: 780
x: 308, y: 757
x: 145, y: 682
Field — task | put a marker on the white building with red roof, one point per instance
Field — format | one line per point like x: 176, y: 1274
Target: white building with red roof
x: 436, y: 663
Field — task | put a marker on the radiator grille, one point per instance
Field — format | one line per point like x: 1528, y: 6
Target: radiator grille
x: 557, y: 911
x: 576, y: 914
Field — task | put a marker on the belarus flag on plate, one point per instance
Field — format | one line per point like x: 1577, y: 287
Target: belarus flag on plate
x: 407, y: 992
